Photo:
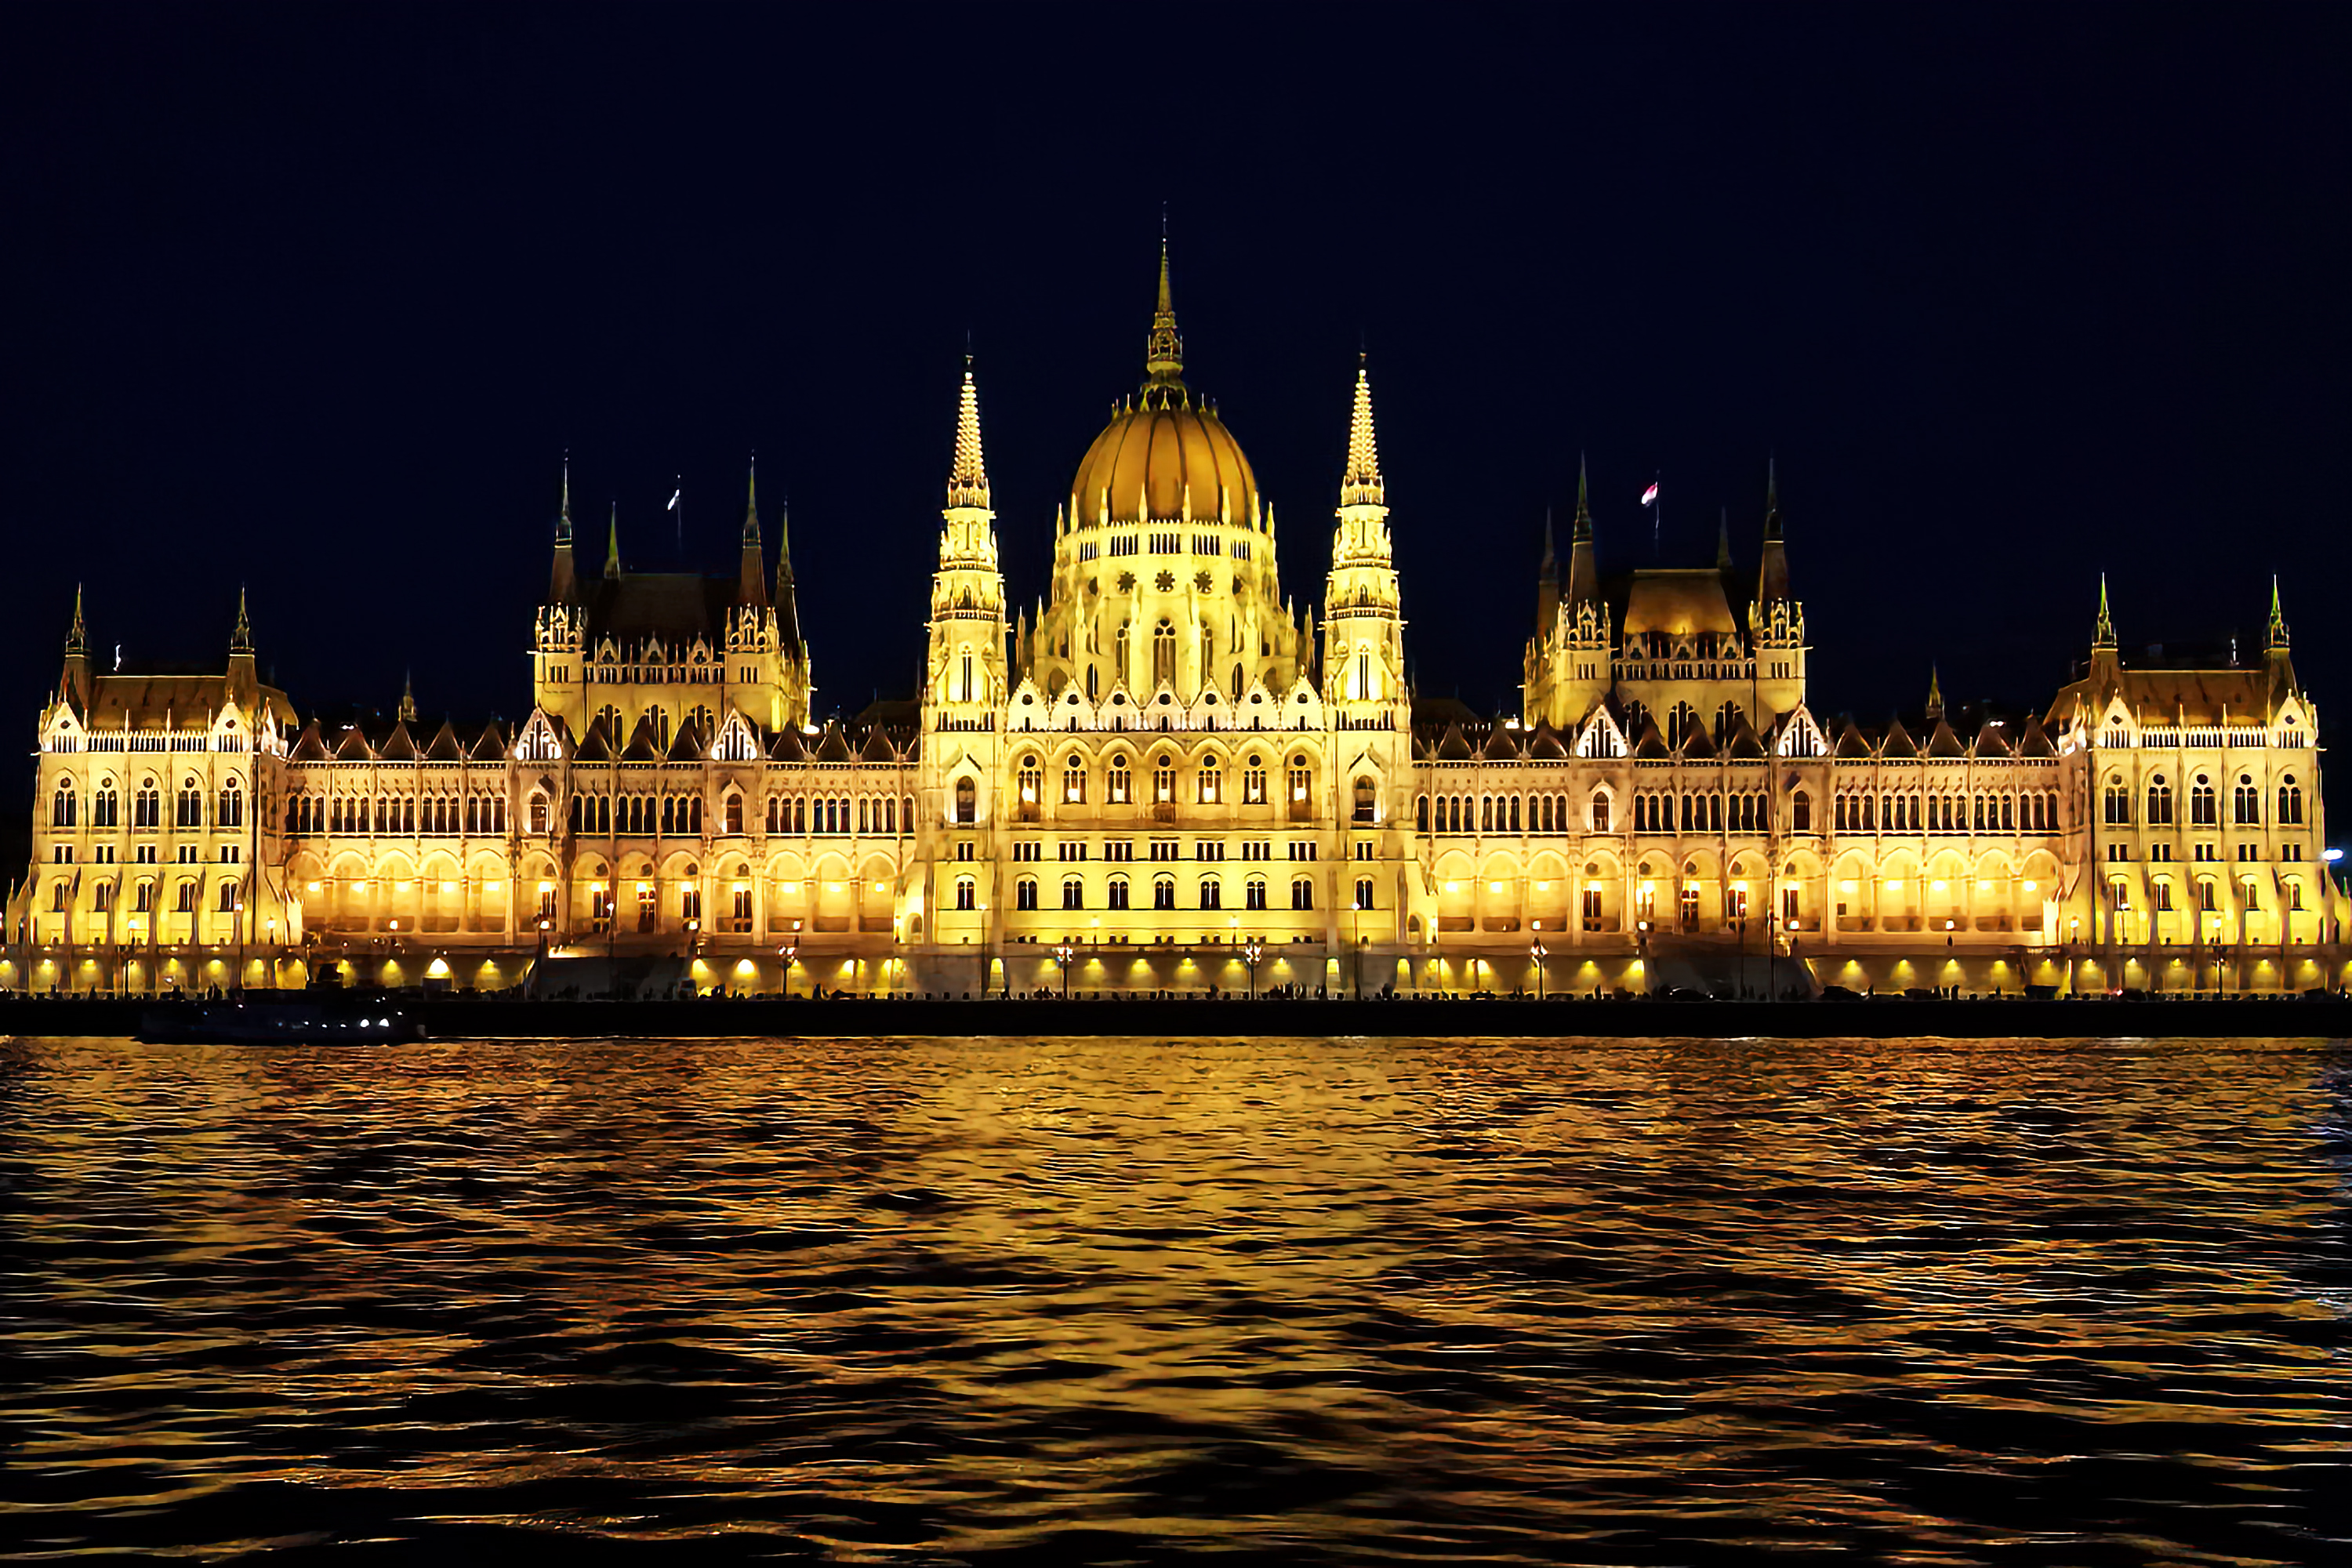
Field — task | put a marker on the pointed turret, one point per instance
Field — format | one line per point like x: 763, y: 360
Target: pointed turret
x: 1723, y: 543
x: 1772, y: 581
x: 788, y: 613
x: 751, y: 576
x: 2277, y: 662
x: 2274, y: 637
x: 967, y: 478
x: 612, y: 545
x: 244, y: 683
x: 408, y: 697
x: 1583, y: 573
x: 1163, y: 353
x: 563, y: 579
x: 240, y: 636
x: 1934, y: 695
x: 77, y: 685
x: 1362, y: 485
x: 2103, y: 635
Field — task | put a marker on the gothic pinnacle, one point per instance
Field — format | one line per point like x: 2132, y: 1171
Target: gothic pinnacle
x: 240, y: 637
x: 1362, y: 486
x: 968, y: 480
x: 2104, y: 634
x: 1163, y: 358
x: 613, y: 544
x: 752, y: 503
x: 1582, y: 532
x: 77, y: 637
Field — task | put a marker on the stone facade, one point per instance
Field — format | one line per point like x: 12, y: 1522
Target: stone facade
x: 1168, y: 776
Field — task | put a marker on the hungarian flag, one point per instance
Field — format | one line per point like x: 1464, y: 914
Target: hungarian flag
x: 1649, y: 495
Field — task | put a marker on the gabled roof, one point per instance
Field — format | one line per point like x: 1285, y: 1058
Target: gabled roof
x: 1697, y: 746
x: 835, y: 746
x: 353, y: 747
x: 492, y: 746
x: 877, y: 747
x: 445, y: 747
x: 1454, y: 747
x: 1502, y: 745
x: 1898, y: 741
x: 1943, y: 743
x: 1652, y: 746
x: 399, y: 746
x: 1745, y: 745
x: 2035, y: 742
x: 307, y: 747
x: 688, y: 744
x: 1545, y: 745
x: 1852, y: 746
x: 1989, y: 740
x: 596, y: 742
x: 786, y: 747
x: 642, y: 746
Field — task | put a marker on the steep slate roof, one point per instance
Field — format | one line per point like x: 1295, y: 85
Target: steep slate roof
x: 786, y: 747
x: 1455, y: 747
x: 833, y: 747
x: 444, y: 747
x: 492, y: 746
x: 1898, y: 742
x: 1502, y: 745
x: 308, y: 746
x: 353, y: 747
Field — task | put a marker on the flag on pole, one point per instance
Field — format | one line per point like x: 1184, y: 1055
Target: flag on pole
x: 1649, y: 495
x: 675, y: 494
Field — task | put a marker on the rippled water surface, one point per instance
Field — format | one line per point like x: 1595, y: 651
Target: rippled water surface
x: 932, y: 1302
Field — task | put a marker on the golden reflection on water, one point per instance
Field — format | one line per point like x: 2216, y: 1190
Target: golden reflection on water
x: 1354, y: 1300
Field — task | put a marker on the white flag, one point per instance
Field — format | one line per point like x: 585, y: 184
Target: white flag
x: 1649, y: 495
x: 675, y: 494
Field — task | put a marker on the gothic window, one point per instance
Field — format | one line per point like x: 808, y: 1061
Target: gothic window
x: 103, y: 804
x: 1366, y: 805
x: 1119, y: 783
x: 734, y: 812
x: 1486, y: 814
x: 2246, y: 801
x: 1163, y: 651
x: 2118, y: 802
x: 1681, y: 723
x: 2009, y: 813
x: 61, y: 805
x: 1032, y: 781
x: 1801, y: 813
x: 231, y: 809
x: 1253, y: 893
x: 1515, y: 813
x: 1302, y: 893
x: 1420, y: 814
x: 967, y: 807
x: 1600, y: 810
x: 147, y: 806
x: 1074, y: 893
x: 1163, y: 780
x: 966, y: 894
x: 537, y: 812
x: 227, y: 903
x: 190, y: 813
x: 2160, y: 802
x: 2201, y: 803
x: 1727, y: 722
x: 2290, y: 802
x: 1163, y: 893
x: 184, y: 899
x: 1119, y: 892
x: 1024, y: 893
x: 1209, y: 780
x: 1299, y: 780
x: 1254, y: 781
x: 1363, y: 893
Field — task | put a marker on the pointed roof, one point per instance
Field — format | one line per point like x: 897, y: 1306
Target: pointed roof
x: 77, y: 636
x: 1454, y: 746
x: 2103, y: 635
x: 1990, y: 742
x: 833, y: 747
x: 2035, y: 742
x: 1852, y: 746
x: 491, y: 745
x: 786, y: 747
x: 1502, y: 745
x: 1898, y: 741
x: 1943, y: 744
x: 407, y: 698
x: 563, y: 581
x: 1935, y: 709
x: 1772, y: 577
x: 400, y: 746
x: 309, y: 746
x: 597, y: 743
x: 1723, y: 543
x: 967, y: 478
x: 240, y: 637
x: 2275, y: 636
x: 751, y: 576
x: 445, y: 746
x: 1362, y: 485
x: 1744, y: 745
x: 688, y: 744
x: 1583, y: 575
x: 1652, y: 746
x: 354, y: 746
x: 613, y: 543
x: 1545, y: 745
x: 1163, y: 353
x: 642, y: 746
x: 1698, y: 746
x: 877, y: 747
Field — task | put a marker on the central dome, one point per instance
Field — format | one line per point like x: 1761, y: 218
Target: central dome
x: 1164, y: 456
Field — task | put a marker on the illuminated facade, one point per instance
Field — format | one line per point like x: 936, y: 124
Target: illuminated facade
x: 1170, y: 776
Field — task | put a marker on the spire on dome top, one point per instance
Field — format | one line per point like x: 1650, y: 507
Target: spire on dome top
x: 1362, y: 485
x: 1550, y: 559
x: 968, y: 480
x: 2104, y: 634
x: 1772, y: 498
x: 77, y: 636
x: 1163, y: 356
x: 240, y: 637
x: 613, y: 544
x: 2276, y: 638
x: 562, y: 582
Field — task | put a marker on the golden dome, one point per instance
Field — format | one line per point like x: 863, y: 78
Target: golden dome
x: 1148, y: 454
x: 1163, y: 443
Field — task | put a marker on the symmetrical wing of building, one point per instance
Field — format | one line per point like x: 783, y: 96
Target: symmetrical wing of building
x: 1171, y: 778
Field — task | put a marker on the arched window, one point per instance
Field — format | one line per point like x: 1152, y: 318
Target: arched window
x: 61, y: 805
x: 1254, y: 780
x: 2160, y: 802
x: 967, y: 801
x: 1600, y: 810
x: 734, y: 812
x: 1212, y: 896
x: 1363, y: 893
x: 1024, y: 893
x: 2201, y: 803
x: 1163, y: 654
x: 1074, y: 893
x: 1366, y: 803
x: 1299, y: 780
x: 537, y: 812
x: 2118, y: 802
x: 1254, y: 895
x: 1211, y: 780
x: 1302, y: 893
x: 2246, y: 801
x: 103, y: 804
x: 966, y: 895
x: 147, y: 805
x: 1118, y: 892
x: 1119, y: 783
x: 1074, y: 779
x: 1033, y: 780
x: 1420, y: 814
x: 1681, y: 723
x: 1163, y: 893
x: 1163, y: 783
x: 1801, y: 813
x: 191, y: 811
x: 2290, y: 802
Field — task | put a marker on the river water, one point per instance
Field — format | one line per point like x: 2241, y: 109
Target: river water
x: 1359, y: 1301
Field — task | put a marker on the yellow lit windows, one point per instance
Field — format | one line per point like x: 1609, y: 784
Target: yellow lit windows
x: 1254, y: 781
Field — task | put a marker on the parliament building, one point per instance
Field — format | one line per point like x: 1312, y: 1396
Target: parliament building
x: 1177, y: 778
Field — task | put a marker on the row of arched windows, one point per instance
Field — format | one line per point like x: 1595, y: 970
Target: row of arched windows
x: 423, y: 816
x: 1076, y: 778
x: 2204, y: 802
x: 1208, y: 892
x: 2027, y: 811
x: 106, y: 806
x: 1741, y: 811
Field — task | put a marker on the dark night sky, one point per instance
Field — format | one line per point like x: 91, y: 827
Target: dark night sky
x: 314, y: 299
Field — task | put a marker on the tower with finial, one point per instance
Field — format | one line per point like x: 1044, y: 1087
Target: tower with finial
x: 1363, y: 621
x: 244, y: 677
x: 1776, y: 621
x: 76, y: 686
x: 1569, y: 662
x: 967, y: 664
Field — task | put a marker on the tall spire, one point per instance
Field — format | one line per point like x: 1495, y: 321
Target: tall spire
x: 1935, y: 696
x: 563, y: 581
x: 1581, y: 531
x: 1723, y: 543
x: 408, y: 697
x: 613, y: 544
x: 240, y: 637
x: 77, y: 636
x: 1772, y: 580
x: 563, y: 509
x: 968, y: 480
x: 1546, y: 583
x: 1362, y: 485
x: 1583, y: 571
x: 2276, y: 637
x: 751, y: 576
x: 1163, y: 356
x: 2104, y: 634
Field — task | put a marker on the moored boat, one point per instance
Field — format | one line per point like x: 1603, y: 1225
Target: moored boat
x: 352, y: 1021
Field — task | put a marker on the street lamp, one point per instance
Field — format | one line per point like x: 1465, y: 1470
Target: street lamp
x: 1535, y: 952
x: 1062, y: 951
x: 1251, y: 953
x: 790, y: 953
